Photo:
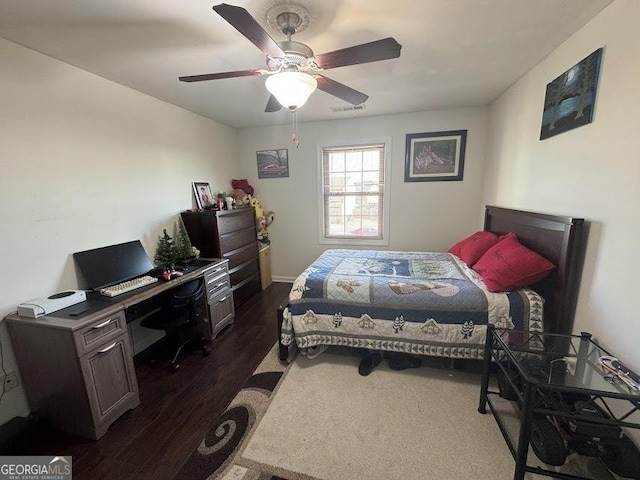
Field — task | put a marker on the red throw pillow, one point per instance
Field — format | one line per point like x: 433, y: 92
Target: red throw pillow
x: 509, y: 265
x: 473, y: 247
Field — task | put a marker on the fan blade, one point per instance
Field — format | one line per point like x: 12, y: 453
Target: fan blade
x: 218, y: 76
x: 340, y: 90
x: 367, y: 52
x: 273, y: 105
x: 242, y: 21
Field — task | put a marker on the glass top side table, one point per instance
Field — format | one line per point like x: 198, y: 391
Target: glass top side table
x: 545, y: 374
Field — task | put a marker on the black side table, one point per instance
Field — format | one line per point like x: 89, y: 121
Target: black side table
x: 557, y: 380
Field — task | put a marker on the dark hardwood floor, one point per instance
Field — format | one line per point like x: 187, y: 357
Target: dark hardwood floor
x: 176, y: 410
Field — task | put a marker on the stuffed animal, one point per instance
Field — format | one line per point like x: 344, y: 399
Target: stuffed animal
x: 263, y: 219
x: 255, y: 203
x: 269, y: 217
x: 240, y: 197
x: 263, y: 234
x: 243, y: 185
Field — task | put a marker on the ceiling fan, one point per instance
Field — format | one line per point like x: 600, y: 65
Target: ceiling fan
x: 293, y: 70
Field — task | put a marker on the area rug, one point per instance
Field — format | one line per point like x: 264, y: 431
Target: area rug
x: 318, y: 419
x: 214, y: 457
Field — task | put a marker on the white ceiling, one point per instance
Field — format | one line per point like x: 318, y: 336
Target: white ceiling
x: 455, y: 53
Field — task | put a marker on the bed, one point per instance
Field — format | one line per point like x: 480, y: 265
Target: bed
x: 432, y: 303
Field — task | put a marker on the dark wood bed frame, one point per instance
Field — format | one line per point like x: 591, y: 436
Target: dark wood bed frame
x: 558, y: 238
x: 561, y: 240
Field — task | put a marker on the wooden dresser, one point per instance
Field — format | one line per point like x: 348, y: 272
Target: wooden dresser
x: 229, y: 234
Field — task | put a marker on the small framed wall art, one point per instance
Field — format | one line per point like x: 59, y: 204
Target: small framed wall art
x: 202, y: 191
x: 273, y: 163
x: 570, y: 98
x: 435, y: 156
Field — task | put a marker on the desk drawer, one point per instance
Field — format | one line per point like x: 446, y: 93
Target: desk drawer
x: 111, y: 384
x: 222, y: 312
x: 216, y: 275
x: 232, y: 241
x: 221, y: 304
x: 221, y: 291
x: 99, y: 332
x: 242, y: 255
x: 236, y: 221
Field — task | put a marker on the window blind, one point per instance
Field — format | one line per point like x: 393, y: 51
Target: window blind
x: 353, y: 191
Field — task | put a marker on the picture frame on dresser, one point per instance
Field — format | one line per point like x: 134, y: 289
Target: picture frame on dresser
x: 204, y: 197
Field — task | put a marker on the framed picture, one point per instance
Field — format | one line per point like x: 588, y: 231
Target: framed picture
x: 273, y: 163
x: 570, y: 98
x: 202, y: 191
x: 434, y: 157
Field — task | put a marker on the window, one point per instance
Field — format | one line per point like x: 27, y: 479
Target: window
x: 353, y: 194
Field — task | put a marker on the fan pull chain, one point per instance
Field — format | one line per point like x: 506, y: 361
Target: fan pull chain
x: 294, y: 135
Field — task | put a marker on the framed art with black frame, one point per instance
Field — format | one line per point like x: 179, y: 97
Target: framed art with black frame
x: 273, y: 163
x: 204, y: 198
x: 435, y: 156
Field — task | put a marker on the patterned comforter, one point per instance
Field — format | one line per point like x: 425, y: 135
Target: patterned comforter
x: 413, y: 302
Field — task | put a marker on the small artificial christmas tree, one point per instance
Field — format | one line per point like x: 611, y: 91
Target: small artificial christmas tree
x: 184, y: 249
x: 166, y: 250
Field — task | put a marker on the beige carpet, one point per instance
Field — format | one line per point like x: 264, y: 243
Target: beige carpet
x: 324, y: 421
x: 328, y: 422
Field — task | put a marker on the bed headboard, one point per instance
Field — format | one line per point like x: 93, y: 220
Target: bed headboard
x: 562, y: 241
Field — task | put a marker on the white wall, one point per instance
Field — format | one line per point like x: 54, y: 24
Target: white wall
x: 591, y: 172
x: 423, y: 215
x: 85, y: 163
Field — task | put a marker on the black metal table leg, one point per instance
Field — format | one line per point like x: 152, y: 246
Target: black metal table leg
x: 525, y: 430
x: 484, y: 388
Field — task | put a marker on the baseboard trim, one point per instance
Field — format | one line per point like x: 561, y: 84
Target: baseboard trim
x: 284, y: 279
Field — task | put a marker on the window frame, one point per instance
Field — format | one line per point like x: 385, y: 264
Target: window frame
x: 365, y: 142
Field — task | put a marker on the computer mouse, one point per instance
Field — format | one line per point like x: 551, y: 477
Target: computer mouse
x: 175, y: 275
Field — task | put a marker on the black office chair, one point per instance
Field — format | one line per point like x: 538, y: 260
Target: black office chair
x: 179, y: 319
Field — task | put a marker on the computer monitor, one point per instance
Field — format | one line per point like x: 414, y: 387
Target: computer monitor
x: 106, y: 266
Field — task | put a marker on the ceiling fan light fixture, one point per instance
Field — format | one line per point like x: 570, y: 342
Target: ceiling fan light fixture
x: 291, y: 89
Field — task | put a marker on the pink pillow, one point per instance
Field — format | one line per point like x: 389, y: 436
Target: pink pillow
x: 473, y: 247
x: 509, y: 265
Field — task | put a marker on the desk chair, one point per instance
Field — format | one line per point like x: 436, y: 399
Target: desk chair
x: 179, y: 319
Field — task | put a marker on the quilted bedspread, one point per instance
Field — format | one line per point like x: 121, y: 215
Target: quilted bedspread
x: 414, y: 302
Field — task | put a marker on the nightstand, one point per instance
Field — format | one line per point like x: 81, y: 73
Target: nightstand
x: 563, y: 396
x: 265, y: 266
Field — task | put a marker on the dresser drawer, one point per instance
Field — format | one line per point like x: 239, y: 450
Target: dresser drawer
x: 100, y: 332
x: 244, y: 271
x: 242, y: 255
x: 245, y: 290
x: 232, y: 241
x: 236, y: 221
